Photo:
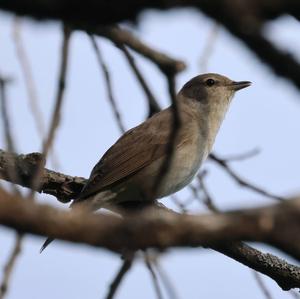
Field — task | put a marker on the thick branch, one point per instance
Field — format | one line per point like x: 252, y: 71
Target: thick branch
x: 164, y: 229
x: 104, y: 12
x: 63, y: 187
x: 66, y: 187
x: 244, y: 19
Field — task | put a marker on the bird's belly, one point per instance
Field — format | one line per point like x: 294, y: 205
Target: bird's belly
x: 182, y: 170
x: 177, y: 179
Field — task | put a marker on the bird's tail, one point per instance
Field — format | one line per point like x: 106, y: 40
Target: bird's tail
x: 88, y: 205
x: 46, y: 243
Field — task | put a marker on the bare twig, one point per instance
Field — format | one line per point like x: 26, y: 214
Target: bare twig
x: 120, y: 36
x: 55, y: 119
x: 169, y: 286
x: 178, y: 203
x: 28, y: 77
x: 10, y: 265
x: 115, y: 284
x: 148, y: 261
x: 208, y: 48
x: 10, y: 144
x: 262, y: 285
x: 4, y: 114
x: 108, y: 84
x: 243, y: 156
x: 152, y: 102
x: 30, y: 86
x: 172, y: 137
x: 13, y: 174
x: 243, y: 182
x: 208, y: 201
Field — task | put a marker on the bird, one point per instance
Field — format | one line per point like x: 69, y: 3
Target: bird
x: 128, y: 171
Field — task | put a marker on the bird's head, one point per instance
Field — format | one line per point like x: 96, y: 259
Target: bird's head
x: 212, y: 89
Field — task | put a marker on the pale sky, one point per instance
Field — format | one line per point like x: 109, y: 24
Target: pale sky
x: 265, y: 116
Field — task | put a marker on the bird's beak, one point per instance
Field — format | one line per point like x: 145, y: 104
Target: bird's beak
x: 240, y: 85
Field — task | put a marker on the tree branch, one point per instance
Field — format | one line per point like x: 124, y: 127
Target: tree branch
x: 244, y: 19
x: 276, y: 225
x: 63, y: 187
x: 166, y: 64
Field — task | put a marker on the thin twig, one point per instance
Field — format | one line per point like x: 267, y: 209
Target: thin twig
x: 262, y: 285
x: 208, y: 48
x: 4, y: 114
x: 152, y: 102
x: 28, y: 77
x: 172, y: 137
x: 211, y: 206
x: 243, y: 156
x: 55, y: 119
x: 10, y: 143
x: 169, y: 286
x: 115, y: 284
x: 30, y: 86
x: 108, y: 84
x: 12, y: 173
x: 178, y: 203
x: 208, y: 200
x: 153, y: 276
x: 10, y: 265
x: 243, y: 182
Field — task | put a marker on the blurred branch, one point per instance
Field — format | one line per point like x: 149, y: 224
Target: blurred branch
x: 175, y: 126
x: 115, y: 284
x: 277, y: 225
x: 11, y: 262
x: 30, y: 85
x: 207, y: 200
x: 208, y: 47
x: 28, y: 77
x: 12, y: 173
x: 262, y: 285
x: 169, y: 286
x: 244, y: 19
x: 242, y: 156
x: 148, y: 264
x: 4, y: 114
x: 56, y: 114
x: 65, y: 187
x: 152, y: 102
x: 120, y: 36
x: 108, y: 84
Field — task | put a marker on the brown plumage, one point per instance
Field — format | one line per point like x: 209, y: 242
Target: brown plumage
x: 128, y: 170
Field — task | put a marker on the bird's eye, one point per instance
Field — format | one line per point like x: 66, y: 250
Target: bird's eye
x: 210, y: 82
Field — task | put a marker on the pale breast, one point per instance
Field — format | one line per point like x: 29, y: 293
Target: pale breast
x: 185, y: 164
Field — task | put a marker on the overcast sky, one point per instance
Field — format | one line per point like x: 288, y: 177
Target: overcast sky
x: 265, y: 116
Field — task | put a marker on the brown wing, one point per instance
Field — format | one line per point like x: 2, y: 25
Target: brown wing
x: 136, y: 149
